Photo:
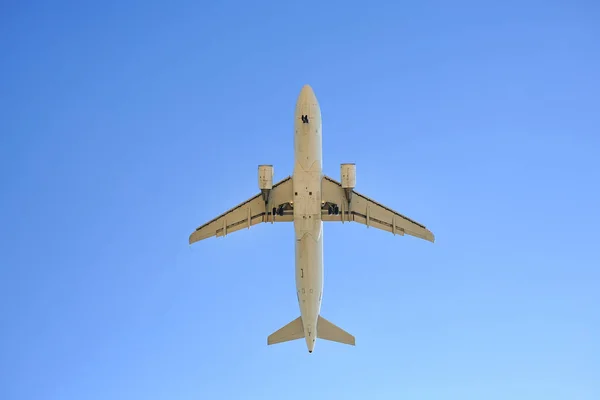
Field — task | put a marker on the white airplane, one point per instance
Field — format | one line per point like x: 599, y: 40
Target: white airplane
x: 308, y: 198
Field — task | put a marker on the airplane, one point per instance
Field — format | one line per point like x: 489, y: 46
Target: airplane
x: 308, y: 198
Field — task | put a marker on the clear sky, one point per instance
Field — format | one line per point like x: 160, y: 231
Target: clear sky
x: 123, y: 127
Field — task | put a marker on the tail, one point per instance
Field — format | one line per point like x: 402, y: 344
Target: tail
x: 292, y: 331
x: 328, y: 331
x: 325, y: 330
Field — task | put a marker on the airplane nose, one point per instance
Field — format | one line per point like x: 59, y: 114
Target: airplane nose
x: 307, y: 106
x: 306, y: 94
x: 306, y: 88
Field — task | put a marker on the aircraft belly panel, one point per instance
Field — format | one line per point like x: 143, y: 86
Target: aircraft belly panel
x: 309, y: 274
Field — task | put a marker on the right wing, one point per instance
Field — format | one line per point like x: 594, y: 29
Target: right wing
x: 250, y: 212
x: 366, y: 211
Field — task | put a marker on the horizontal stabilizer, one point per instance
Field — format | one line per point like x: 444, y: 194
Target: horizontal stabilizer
x: 292, y: 331
x: 328, y: 331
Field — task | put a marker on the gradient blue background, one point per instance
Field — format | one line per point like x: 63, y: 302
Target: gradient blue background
x: 124, y: 127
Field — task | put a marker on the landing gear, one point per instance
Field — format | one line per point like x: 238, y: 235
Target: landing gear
x: 333, y: 209
x: 278, y: 211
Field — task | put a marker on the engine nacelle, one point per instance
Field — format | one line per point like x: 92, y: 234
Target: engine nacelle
x: 265, y: 177
x: 265, y: 180
x: 348, y: 179
x: 348, y: 175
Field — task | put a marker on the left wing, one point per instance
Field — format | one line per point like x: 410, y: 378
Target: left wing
x: 366, y: 211
x: 251, y: 212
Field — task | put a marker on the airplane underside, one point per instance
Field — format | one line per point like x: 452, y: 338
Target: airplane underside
x: 308, y: 199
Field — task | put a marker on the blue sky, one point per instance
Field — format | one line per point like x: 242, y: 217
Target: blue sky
x: 125, y: 126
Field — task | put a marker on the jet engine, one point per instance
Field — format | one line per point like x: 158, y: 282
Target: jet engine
x: 265, y: 180
x: 348, y: 179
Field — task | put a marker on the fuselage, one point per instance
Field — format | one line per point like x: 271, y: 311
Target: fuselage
x: 308, y: 226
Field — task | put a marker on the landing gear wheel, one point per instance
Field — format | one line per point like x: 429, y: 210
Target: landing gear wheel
x: 337, y: 210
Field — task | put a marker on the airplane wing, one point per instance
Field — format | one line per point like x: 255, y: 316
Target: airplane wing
x: 367, y: 212
x: 251, y: 212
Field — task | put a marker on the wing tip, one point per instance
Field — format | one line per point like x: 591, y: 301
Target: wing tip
x: 193, y: 238
x: 430, y: 237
